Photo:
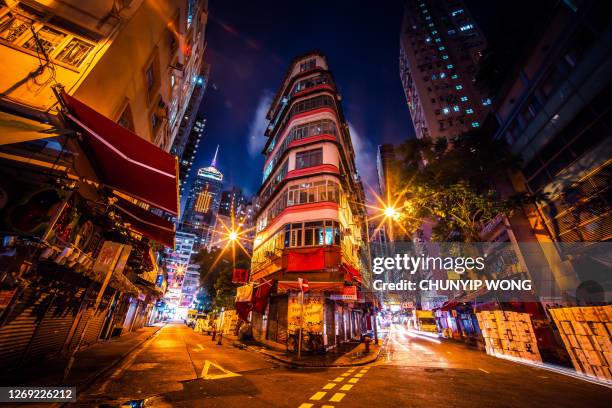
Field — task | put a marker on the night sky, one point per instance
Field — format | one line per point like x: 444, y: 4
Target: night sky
x: 250, y: 46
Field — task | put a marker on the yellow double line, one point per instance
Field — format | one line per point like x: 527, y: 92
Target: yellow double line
x: 343, y: 386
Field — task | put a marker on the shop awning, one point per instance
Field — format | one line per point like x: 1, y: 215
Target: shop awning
x: 145, y: 222
x: 17, y: 129
x: 124, y: 161
x: 261, y: 296
x: 312, y: 286
x: 352, y: 273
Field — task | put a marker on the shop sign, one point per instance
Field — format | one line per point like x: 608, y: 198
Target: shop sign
x: 348, y: 293
x: 313, y: 313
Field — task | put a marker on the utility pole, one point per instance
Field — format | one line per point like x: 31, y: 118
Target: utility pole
x: 301, y: 322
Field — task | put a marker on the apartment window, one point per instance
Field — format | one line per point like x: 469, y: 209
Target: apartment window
x: 126, y: 119
x: 451, y: 32
x: 466, y: 27
x: 151, y: 75
x: 445, y: 111
x: 49, y: 39
x: 57, y: 39
x: 469, y: 111
x: 486, y: 101
x: 450, y: 66
x: 75, y: 52
x: 456, y: 108
x: 12, y: 26
x: 308, y: 158
x: 459, y: 87
x: 475, y: 124
x: 308, y: 64
x: 464, y: 99
x: 454, y: 76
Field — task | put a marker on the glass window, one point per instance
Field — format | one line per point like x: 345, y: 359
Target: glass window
x: 13, y: 26
x: 75, y: 52
x: 308, y: 158
x: 49, y: 39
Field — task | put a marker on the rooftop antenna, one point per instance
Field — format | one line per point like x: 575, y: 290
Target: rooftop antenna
x: 214, y: 160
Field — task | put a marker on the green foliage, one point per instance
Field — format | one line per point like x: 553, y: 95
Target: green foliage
x: 453, y: 185
x: 216, y: 269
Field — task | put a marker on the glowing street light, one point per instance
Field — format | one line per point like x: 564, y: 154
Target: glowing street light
x: 233, y: 235
x: 390, y: 212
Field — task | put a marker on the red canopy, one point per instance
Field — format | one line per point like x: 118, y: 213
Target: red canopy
x: 313, y: 286
x: 353, y: 273
x: 125, y: 161
x: 261, y: 296
x: 146, y: 223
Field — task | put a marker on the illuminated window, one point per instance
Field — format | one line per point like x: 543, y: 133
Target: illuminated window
x: 456, y: 12
x: 451, y: 32
x: 466, y: 27
x: 203, y: 201
x: 446, y: 111
x: 437, y: 40
x: 442, y: 75
x: 475, y: 124
x: 441, y: 48
x: 456, y: 108
x: 486, y: 101
x: 445, y: 57
x: 459, y: 87
x: 464, y: 99
x: 455, y: 76
x: 450, y: 66
x: 469, y: 111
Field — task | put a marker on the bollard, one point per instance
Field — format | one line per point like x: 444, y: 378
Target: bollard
x: 214, y: 335
x: 367, y: 342
x: 220, y: 338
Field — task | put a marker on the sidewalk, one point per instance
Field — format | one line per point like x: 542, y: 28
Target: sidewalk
x: 90, y: 363
x: 345, y: 355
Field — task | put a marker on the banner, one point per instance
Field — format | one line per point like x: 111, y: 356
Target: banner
x: 348, y: 293
x: 240, y: 275
x: 311, y: 260
x: 244, y: 293
x: 313, y: 313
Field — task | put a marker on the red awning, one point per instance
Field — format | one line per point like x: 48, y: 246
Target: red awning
x: 261, y: 296
x: 145, y: 222
x: 125, y: 161
x: 312, y: 286
x: 308, y: 260
x: 353, y: 273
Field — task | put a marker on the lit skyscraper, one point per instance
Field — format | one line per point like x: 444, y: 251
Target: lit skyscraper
x: 203, y: 204
x: 440, y: 46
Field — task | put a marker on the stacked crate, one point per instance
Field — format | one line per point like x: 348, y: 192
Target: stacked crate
x: 586, y: 333
x: 509, y: 334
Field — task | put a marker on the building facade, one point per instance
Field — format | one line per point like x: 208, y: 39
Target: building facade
x: 556, y: 116
x: 310, y: 220
x: 440, y: 45
x: 202, y: 206
x: 186, y: 152
x: 159, y: 45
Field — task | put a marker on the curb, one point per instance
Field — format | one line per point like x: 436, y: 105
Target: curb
x: 89, y: 382
x: 265, y: 352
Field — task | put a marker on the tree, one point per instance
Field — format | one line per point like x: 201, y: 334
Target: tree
x: 454, y: 185
x: 216, y: 270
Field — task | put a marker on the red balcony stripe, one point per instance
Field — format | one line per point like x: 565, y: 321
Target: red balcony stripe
x: 312, y: 139
x: 325, y: 87
x: 322, y: 168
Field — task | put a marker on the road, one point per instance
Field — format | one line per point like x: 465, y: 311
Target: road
x: 180, y: 368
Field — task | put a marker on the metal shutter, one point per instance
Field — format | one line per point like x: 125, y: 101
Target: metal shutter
x: 15, y: 335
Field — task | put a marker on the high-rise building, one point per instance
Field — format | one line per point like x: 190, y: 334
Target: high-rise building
x: 177, y: 262
x: 440, y: 46
x: 231, y: 200
x: 310, y: 219
x: 186, y: 152
x: 386, y: 167
x: 202, y: 204
x: 555, y: 114
x: 86, y: 42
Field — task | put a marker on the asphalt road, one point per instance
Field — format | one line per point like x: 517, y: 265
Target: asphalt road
x: 180, y: 368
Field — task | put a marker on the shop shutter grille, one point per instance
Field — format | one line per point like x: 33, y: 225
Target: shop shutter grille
x: 15, y: 335
x: 51, y: 334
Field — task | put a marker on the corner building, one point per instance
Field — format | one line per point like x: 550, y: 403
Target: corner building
x: 310, y: 220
